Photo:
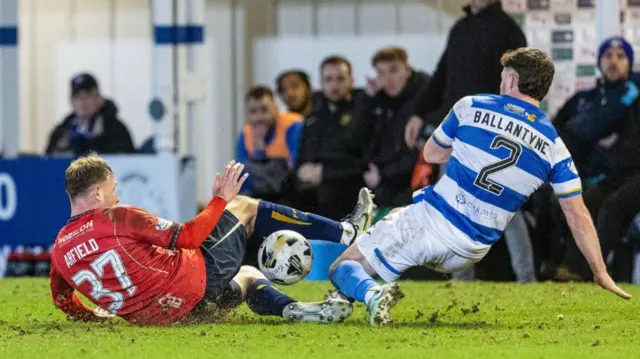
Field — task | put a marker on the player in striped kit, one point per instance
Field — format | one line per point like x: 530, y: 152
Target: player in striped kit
x: 500, y: 149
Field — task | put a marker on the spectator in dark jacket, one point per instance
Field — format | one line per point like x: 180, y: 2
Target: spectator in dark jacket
x: 294, y: 89
x: 92, y: 126
x: 469, y: 65
x: 391, y: 101
x: 594, y: 115
x: 607, y: 120
x: 329, y: 165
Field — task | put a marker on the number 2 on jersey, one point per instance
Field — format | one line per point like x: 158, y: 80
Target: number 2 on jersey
x: 94, y: 278
x: 482, y: 179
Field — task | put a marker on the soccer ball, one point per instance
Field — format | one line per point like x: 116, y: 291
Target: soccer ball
x: 285, y: 257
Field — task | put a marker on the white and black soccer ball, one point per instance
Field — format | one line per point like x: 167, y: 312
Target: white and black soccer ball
x: 285, y: 257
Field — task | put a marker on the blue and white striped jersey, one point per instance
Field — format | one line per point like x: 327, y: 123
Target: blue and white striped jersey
x: 503, y: 150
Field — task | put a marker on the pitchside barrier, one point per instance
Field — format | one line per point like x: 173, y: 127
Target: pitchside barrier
x: 34, y: 205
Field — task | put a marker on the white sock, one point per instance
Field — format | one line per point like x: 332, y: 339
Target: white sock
x: 348, y: 233
x: 370, y: 293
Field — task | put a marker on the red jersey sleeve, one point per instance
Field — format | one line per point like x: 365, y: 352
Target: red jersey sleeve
x: 145, y: 227
x: 65, y: 299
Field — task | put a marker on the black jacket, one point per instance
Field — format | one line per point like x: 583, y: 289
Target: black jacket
x: 330, y: 137
x: 383, y: 131
x: 624, y: 156
x: 591, y: 115
x: 470, y: 63
x: 108, y: 135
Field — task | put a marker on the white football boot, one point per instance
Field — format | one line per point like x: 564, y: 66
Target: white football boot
x: 328, y: 311
x: 380, y: 304
x: 361, y: 218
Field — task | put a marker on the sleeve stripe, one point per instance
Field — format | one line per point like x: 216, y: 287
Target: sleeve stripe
x: 439, y: 142
x: 569, y: 194
x: 577, y: 189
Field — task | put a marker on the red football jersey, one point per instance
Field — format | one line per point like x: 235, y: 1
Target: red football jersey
x: 132, y: 264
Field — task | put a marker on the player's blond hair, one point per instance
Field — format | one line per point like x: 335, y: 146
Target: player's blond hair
x: 85, y: 172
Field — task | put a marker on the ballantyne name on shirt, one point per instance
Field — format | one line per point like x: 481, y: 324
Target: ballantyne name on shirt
x: 514, y: 128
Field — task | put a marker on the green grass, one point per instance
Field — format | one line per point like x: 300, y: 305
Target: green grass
x: 435, y: 320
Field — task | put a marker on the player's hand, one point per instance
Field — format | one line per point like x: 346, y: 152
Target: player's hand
x: 607, y: 283
x: 412, y: 131
x: 228, y: 184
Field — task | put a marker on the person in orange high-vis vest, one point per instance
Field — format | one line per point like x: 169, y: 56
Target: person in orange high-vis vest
x: 268, y: 144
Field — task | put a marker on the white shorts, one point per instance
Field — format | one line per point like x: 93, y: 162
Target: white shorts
x: 401, y: 240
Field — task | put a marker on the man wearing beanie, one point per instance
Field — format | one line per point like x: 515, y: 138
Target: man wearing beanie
x: 601, y: 127
x: 92, y: 126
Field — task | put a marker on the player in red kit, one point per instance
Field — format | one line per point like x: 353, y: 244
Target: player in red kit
x: 151, y: 271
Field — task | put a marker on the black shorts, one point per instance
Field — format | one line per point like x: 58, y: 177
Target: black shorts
x: 223, y: 252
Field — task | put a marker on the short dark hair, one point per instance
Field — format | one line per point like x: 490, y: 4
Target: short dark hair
x: 258, y: 92
x: 335, y: 60
x: 535, y: 69
x: 301, y: 74
x: 85, y: 172
x: 388, y: 54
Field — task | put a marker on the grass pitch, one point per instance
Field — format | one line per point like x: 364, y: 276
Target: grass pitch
x: 435, y: 320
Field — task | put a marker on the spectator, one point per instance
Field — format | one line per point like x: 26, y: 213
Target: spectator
x: 328, y: 172
x: 268, y: 144
x: 469, y: 65
x: 92, y: 126
x: 294, y: 89
x: 592, y: 116
x: 392, y: 99
x: 606, y: 118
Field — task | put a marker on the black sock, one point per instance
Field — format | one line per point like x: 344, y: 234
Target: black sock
x: 264, y: 299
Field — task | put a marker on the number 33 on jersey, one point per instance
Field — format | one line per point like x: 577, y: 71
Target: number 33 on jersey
x: 503, y: 150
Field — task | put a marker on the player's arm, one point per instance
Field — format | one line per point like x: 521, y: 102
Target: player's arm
x: 438, y: 147
x: 145, y: 227
x: 65, y: 299
x: 586, y: 238
x: 567, y: 186
x: 435, y: 153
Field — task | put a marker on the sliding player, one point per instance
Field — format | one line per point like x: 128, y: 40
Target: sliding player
x: 150, y: 271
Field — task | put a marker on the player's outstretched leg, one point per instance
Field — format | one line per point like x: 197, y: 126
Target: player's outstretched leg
x: 352, y: 276
x: 264, y: 218
x: 264, y: 299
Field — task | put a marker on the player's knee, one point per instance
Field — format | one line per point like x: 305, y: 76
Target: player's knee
x: 245, y: 209
x: 251, y: 273
x: 333, y: 267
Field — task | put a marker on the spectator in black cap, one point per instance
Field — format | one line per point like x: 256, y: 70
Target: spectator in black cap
x: 294, y: 89
x: 92, y: 126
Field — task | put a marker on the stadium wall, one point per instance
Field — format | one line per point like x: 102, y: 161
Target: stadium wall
x: 245, y: 42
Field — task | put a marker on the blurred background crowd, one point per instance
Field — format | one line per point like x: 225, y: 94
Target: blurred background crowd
x: 312, y: 137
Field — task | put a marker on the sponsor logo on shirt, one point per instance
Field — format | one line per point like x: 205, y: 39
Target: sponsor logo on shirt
x: 169, y: 301
x: 572, y: 167
x: 87, y: 227
x: 163, y: 224
x: 514, y: 109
